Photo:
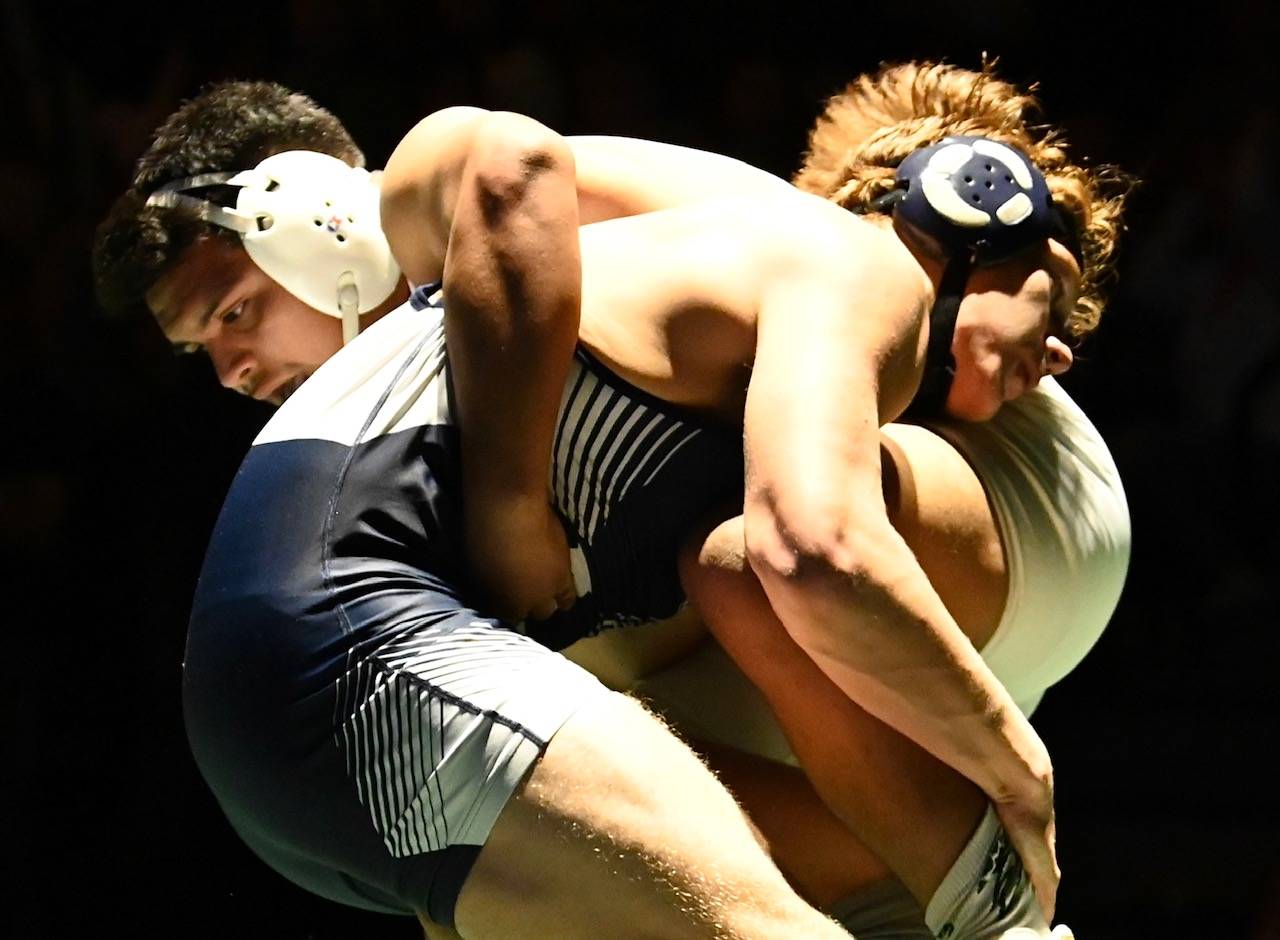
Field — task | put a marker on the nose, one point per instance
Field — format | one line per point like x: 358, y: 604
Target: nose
x: 235, y: 364
x: 1057, y: 356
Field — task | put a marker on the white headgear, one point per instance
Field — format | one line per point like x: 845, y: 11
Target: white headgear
x: 311, y: 223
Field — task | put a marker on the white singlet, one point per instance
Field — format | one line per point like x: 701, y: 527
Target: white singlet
x: 1064, y: 524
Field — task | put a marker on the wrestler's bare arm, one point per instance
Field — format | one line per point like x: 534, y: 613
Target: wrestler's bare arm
x: 615, y: 177
x: 497, y: 191
x: 586, y: 823
x: 835, y: 358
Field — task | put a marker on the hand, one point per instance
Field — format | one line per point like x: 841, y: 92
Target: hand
x: 519, y: 558
x: 1029, y: 822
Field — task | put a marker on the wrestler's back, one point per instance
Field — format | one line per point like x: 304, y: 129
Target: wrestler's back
x: 670, y: 300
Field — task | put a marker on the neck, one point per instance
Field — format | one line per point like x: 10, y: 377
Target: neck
x: 397, y: 298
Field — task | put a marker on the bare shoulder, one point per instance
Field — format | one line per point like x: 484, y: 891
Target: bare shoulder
x: 776, y: 235
x: 436, y: 147
x: 801, y: 258
x: 419, y: 181
x: 840, y: 288
x: 734, y: 252
x: 428, y: 143
x: 806, y: 235
x: 496, y: 152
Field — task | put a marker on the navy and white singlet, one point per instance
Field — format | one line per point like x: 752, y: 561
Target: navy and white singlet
x: 360, y: 724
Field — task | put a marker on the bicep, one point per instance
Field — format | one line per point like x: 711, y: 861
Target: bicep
x: 810, y: 429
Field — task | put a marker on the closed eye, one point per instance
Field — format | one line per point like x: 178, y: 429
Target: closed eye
x: 227, y: 318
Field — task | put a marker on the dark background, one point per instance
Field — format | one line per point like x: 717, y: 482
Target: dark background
x: 116, y: 454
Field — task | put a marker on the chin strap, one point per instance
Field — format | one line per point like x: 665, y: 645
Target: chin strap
x: 939, y: 363
x: 349, y: 306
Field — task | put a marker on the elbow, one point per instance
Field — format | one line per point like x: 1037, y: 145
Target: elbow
x: 512, y: 157
x: 817, y: 567
x: 419, y: 165
x: 810, y: 550
x: 500, y: 156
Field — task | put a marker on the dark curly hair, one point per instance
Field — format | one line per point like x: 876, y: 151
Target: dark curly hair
x: 229, y: 126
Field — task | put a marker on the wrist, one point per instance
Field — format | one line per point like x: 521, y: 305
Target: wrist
x: 1024, y: 771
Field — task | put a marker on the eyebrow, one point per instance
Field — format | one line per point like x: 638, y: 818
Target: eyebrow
x: 218, y: 293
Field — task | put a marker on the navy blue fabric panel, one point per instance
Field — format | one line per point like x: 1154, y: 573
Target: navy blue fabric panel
x: 319, y: 547
x: 420, y: 297
x: 399, y: 502
x: 264, y: 630
x: 321, y: 555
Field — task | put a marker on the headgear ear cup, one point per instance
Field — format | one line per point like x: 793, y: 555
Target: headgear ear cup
x: 979, y: 197
x: 311, y: 223
x: 982, y: 202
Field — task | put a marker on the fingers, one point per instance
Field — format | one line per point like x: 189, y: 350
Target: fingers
x: 1032, y: 835
x: 1040, y: 867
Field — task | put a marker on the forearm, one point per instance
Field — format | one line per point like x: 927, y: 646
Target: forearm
x: 862, y: 609
x: 836, y: 358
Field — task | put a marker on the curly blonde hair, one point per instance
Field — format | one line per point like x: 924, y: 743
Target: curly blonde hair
x: 870, y: 127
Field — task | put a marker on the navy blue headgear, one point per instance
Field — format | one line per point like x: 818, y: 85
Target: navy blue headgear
x: 983, y: 202
x: 979, y: 197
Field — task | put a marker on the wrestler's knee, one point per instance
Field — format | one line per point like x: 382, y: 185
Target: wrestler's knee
x: 714, y: 570
x: 726, y: 592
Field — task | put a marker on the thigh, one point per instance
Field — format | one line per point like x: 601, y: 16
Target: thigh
x: 366, y: 757
x: 826, y: 862
x: 878, y: 782
x: 621, y: 832
x: 818, y: 853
